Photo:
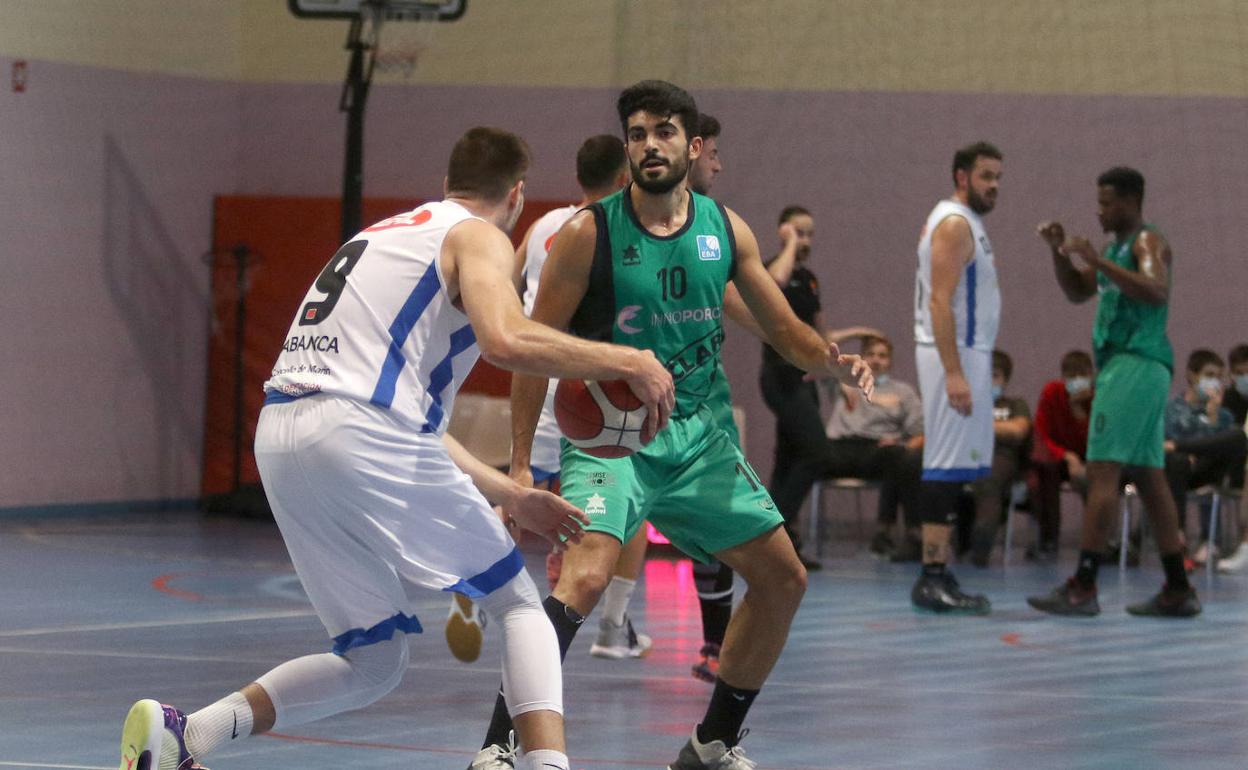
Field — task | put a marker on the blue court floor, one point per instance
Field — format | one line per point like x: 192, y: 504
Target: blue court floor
x: 97, y: 612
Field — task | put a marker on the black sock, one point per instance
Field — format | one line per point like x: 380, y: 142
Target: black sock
x: 1176, y: 575
x: 567, y: 622
x: 1089, y: 565
x: 725, y: 714
x: 934, y: 569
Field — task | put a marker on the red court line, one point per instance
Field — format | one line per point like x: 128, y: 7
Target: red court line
x: 161, y: 583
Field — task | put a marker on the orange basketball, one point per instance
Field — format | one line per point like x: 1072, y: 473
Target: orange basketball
x: 603, y: 419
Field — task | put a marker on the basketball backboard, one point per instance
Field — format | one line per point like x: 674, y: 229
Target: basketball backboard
x: 441, y: 10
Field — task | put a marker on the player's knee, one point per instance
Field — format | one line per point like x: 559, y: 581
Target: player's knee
x: 379, y: 667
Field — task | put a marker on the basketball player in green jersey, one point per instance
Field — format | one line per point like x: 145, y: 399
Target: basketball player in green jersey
x: 648, y: 266
x: 1135, y: 362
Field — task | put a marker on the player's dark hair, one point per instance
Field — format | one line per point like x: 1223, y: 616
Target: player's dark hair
x: 1202, y: 357
x: 792, y: 211
x: 708, y: 126
x: 871, y: 340
x: 598, y: 161
x: 1076, y: 362
x: 659, y: 97
x: 1127, y: 183
x: 1238, y: 355
x: 485, y: 163
x: 1001, y: 360
x: 964, y: 159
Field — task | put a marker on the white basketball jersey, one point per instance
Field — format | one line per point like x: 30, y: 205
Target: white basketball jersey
x: 378, y: 326
x: 545, y: 453
x: 976, y: 301
x: 540, y: 240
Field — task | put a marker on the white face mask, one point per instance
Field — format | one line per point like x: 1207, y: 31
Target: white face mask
x: 1077, y: 385
x: 1241, y: 384
x: 997, y: 390
x: 1207, y: 387
x: 881, y: 379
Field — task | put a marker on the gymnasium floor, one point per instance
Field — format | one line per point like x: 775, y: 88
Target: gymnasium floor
x: 97, y: 612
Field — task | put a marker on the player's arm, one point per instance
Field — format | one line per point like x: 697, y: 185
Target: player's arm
x: 734, y: 308
x: 797, y: 342
x: 522, y: 256
x: 483, y: 260
x: 1078, y: 284
x: 535, y: 510
x: 1150, y: 284
x: 953, y: 247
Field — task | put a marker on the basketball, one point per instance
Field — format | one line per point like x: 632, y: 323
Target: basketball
x: 603, y: 419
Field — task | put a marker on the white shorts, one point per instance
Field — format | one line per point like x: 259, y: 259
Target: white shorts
x: 544, y: 458
x: 955, y: 448
x: 368, y: 506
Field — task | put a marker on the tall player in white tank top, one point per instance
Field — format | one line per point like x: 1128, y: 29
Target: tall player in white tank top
x: 370, y: 499
x: 956, y: 313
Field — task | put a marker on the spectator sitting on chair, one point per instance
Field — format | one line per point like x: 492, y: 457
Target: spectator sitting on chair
x: 880, y: 440
x: 1203, y: 441
x: 1011, y: 425
x: 1061, y: 448
x: 1236, y: 400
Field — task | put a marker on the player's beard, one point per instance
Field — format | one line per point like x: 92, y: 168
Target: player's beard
x: 677, y: 170
x: 978, y: 203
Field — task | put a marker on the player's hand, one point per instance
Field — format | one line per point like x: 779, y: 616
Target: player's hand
x: 959, y: 392
x: 788, y: 233
x: 856, y: 371
x: 652, y: 385
x: 549, y: 516
x: 1082, y: 248
x: 1053, y: 234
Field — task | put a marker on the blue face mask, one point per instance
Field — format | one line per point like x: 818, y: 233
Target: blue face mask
x: 1076, y: 386
x: 1241, y: 384
x: 881, y: 379
x: 997, y: 390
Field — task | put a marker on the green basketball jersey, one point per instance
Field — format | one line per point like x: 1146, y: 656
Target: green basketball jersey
x: 664, y: 293
x: 1125, y: 325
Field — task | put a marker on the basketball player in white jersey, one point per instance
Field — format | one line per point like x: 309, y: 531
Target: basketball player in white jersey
x: 957, y: 307
x: 368, y: 496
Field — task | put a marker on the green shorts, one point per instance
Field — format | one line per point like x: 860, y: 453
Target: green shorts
x: 1127, y: 424
x: 691, y: 482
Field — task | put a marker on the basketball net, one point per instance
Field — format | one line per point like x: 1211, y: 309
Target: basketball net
x: 408, y: 34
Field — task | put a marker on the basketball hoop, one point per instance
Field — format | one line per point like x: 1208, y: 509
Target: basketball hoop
x: 397, y: 52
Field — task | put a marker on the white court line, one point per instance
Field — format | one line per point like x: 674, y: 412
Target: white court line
x: 235, y: 618
x: 5, y: 764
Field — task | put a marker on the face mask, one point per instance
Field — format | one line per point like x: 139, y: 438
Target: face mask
x: 1208, y: 386
x: 1241, y: 384
x: 1077, y: 385
x: 881, y: 379
x: 997, y: 390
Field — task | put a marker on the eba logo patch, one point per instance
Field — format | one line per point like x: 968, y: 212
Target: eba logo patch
x: 708, y: 248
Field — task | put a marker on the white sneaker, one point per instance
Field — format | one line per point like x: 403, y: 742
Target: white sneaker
x: 1236, y: 562
x: 714, y: 755
x: 464, y: 628
x: 622, y: 641
x: 496, y: 757
x: 152, y: 739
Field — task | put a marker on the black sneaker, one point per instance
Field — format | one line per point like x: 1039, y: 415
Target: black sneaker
x: 943, y: 594
x: 1070, y: 599
x: 1169, y: 603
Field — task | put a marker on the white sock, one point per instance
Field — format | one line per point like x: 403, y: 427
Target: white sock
x: 543, y: 759
x: 227, y: 719
x: 615, y: 599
